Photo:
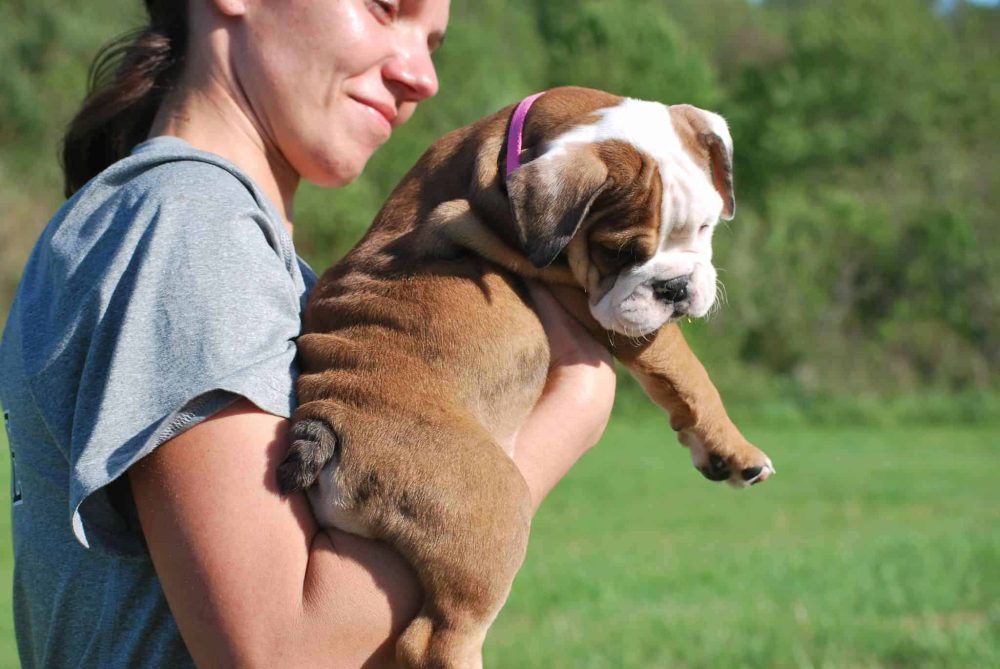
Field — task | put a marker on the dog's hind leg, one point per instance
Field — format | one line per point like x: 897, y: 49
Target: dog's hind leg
x: 466, y: 547
x: 442, y: 494
x: 426, y: 645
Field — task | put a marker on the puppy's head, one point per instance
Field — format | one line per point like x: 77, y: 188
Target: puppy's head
x: 631, y: 193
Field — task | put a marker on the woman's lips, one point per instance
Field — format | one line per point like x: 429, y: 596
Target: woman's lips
x: 385, y: 114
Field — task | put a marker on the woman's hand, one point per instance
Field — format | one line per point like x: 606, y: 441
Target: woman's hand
x: 574, y: 408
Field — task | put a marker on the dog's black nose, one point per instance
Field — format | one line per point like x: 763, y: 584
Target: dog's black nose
x: 671, y: 290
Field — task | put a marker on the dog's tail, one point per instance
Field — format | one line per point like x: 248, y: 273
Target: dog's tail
x: 314, y: 444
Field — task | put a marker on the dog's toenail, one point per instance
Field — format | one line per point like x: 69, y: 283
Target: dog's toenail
x: 751, y: 473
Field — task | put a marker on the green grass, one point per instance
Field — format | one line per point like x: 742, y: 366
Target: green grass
x: 869, y: 549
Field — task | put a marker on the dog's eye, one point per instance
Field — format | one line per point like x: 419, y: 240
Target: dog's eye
x: 609, y: 257
x: 613, y: 258
x: 608, y: 254
x: 705, y: 228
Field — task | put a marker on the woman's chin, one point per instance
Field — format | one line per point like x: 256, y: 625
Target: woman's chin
x: 335, y: 175
x: 335, y: 164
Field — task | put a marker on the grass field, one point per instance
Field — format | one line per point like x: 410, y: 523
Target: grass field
x: 868, y: 549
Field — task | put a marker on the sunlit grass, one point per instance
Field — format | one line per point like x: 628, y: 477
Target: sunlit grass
x: 868, y: 549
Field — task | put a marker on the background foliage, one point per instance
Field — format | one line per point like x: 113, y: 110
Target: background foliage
x: 862, y: 266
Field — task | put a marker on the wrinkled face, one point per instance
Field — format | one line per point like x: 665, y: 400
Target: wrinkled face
x: 643, y: 247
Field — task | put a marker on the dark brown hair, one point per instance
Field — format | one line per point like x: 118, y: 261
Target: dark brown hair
x: 127, y: 82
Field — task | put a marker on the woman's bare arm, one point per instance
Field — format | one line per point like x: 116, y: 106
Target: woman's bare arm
x: 574, y: 409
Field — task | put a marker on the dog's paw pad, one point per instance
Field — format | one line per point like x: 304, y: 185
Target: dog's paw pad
x: 716, y: 470
x: 740, y: 470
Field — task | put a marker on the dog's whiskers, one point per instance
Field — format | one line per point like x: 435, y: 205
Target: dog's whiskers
x: 633, y: 339
x: 721, y: 294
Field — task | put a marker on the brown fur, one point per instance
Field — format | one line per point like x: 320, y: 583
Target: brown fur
x: 423, y: 357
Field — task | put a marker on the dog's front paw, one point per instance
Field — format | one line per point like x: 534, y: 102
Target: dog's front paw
x: 740, y: 464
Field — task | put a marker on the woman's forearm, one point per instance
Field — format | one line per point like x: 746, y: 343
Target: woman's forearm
x: 567, y: 421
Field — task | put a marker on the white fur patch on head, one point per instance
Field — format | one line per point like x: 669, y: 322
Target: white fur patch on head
x: 690, y: 209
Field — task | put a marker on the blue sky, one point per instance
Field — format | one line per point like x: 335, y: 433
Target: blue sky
x: 948, y: 4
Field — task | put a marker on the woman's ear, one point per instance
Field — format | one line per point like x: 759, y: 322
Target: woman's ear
x: 549, y: 198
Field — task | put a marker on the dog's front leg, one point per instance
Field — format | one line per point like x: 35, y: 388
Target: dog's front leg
x: 676, y: 380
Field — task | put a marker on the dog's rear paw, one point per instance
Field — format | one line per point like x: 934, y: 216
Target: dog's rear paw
x: 313, y: 445
x: 422, y: 646
x: 741, y: 467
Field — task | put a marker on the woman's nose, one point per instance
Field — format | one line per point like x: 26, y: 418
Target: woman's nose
x: 414, y: 70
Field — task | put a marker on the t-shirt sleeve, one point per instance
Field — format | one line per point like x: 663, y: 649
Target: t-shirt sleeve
x: 201, y: 311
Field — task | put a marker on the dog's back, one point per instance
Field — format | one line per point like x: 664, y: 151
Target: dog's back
x: 456, y: 338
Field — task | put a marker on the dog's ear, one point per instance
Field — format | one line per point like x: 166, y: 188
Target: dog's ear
x: 706, y: 137
x: 550, y: 197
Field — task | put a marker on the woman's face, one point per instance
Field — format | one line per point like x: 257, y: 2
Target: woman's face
x: 327, y: 80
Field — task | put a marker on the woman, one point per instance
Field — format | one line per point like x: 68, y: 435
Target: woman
x: 148, y: 362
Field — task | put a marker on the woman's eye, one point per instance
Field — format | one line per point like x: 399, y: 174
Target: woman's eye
x: 385, y: 10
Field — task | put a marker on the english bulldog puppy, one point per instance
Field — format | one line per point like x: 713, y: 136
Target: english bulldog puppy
x: 422, y: 355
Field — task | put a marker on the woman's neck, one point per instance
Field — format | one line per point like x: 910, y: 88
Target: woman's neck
x: 209, y: 116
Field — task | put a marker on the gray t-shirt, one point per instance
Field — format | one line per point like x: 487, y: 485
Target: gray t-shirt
x: 159, y: 293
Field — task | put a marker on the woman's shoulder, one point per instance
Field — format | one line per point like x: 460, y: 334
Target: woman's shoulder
x: 167, y: 171
x: 171, y: 196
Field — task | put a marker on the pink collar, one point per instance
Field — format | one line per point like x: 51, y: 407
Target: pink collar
x: 516, y: 129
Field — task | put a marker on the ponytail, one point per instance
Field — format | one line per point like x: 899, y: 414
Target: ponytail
x: 127, y: 82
